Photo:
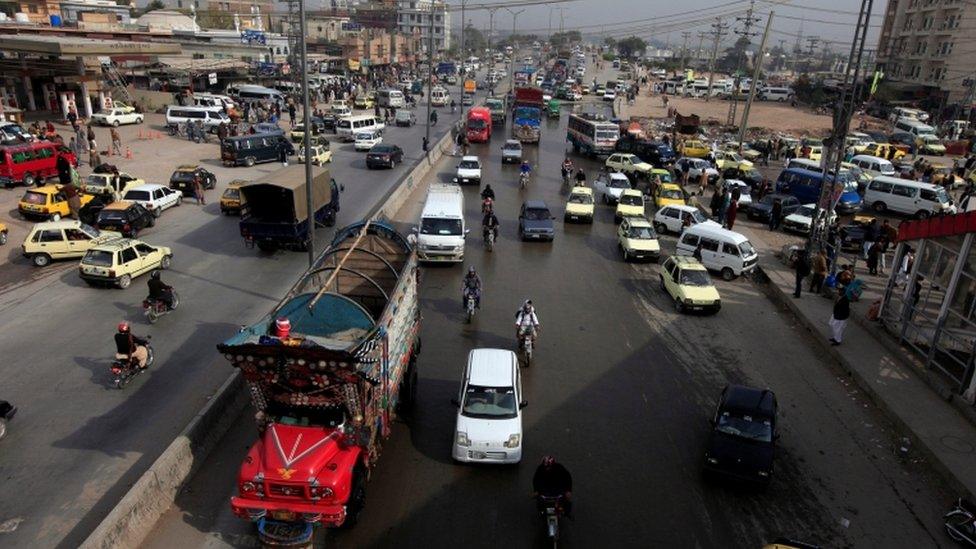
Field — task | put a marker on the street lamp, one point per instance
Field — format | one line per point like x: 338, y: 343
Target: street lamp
x: 511, y: 74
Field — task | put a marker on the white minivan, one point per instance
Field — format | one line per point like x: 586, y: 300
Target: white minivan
x: 722, y: 250
x: 908, y: 197
x: 775, y: 94
x: 210, y: 116
x: 873, y: 165
x: 441, y: 233
x: 914, y: 127
x: 390, y: 97
x: 348, y: 127
x: 489, y: 420
x: 439, y: 97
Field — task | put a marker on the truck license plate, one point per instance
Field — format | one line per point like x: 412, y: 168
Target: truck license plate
x: 283, y: 515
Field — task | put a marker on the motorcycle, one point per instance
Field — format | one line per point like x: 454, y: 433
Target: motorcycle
x: 487, y: 205
x: 525, y: 345
x: 960, y: 523
x: 124, y: 369
x: 7, y: 412
x: 523, y: 180
x: 489, y: 240
x: 155, y: 308
x: 552, y: 509
x: 469, y: 305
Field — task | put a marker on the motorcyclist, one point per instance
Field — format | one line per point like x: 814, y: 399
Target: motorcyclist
x: 453, y: 106
x: 488, y: 192
x: 489, y: 223
x: 526, y: 320
x: 580, y: 178
x: 159, y: 290
x: 525, y: 168
x: 130, y: 347
x: 552, y: 479
x: 433, y: 118
x: 471, y: 283
x: 567, y: 169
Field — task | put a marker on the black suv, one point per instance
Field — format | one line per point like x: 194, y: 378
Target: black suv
x: 655, y: 153
x: 125, y: 217
x: 743, y: 437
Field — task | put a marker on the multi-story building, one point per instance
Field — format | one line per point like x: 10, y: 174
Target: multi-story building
x: 414, y: 18
x: 38, y: 11
x: 925, y: 45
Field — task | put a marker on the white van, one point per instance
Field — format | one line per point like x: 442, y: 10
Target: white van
x: 908, y: 197
x: 223, y: 102
x: 905, y: 112
x: 439, y: 97
x: 441, y: 233
x: 775, y: 94
x: 914, y: 127
x: 348, y: 127
x: 391, y: 98
x: 248, y: 93
x: 210, y: 116
x: 873, y: 165
x: 722, y: 250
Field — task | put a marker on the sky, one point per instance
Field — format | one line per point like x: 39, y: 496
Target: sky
x: 665, y: 21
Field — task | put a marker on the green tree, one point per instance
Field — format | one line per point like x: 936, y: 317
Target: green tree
x: 154, y: 5
x: 729, y: 62
x: 631, y: 47
x: 610, y: 42
x: 474, y: 39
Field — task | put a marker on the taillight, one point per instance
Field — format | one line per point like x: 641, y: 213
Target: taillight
x: 116, y: 370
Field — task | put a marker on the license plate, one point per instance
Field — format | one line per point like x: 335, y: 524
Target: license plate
x: 283, y: 515
x: 574, y: 217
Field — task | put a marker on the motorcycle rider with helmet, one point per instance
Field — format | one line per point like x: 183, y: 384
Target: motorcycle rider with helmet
x: 131, y: 347
x: 580, y: 178
x: 159, y: 290
x: 489, y: 223
x: 552, y: 479
x: 471, y: 284
x: 487, y: 199
x: 526, y: 321
x: 526, y: 168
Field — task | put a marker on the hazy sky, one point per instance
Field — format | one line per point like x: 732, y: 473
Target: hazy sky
x: 832, y: 20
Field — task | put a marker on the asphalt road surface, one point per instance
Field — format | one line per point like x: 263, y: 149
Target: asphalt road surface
x: 77, y: 444
x: 620, y: 392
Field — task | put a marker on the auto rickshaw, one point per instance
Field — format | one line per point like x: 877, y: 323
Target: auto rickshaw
x: 552, y: 108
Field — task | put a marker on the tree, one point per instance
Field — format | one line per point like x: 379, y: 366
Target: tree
x: 729, y: 62
x: 562, y: 38
x: 631, y: 47
x: 474, y: 39
x: 154, y: 5
x: 610, y: 43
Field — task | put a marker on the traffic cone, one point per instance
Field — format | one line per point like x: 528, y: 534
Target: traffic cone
x: 128, y: 153
x: 140, y: 135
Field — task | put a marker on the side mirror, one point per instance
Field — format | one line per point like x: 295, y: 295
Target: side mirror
x: 525, y: 403
x: 466, y: 231
x: 455, y: 402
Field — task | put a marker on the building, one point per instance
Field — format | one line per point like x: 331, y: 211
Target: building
x: 924, y: 47
x: 38, y: 11
x: 326, y: 28
x: 371, y: 47
x: 414, y: 17
x: 88, y: 12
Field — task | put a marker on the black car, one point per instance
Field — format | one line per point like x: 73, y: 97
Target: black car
x: 125, y: 217
x: 749, y: 176
x: 743, y: 438
x: 902, y: 138
x: 88, y: 214
x: 761, y: 210
x: 182, y: 179
x: 655, y: 153
x: 384, y: 155
x: 535, y: 221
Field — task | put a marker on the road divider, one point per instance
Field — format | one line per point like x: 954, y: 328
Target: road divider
x: 134, y: 516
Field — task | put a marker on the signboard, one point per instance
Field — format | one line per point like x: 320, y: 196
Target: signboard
x: 351, y: 26
x: 212, y: 78
x: 253, y: 37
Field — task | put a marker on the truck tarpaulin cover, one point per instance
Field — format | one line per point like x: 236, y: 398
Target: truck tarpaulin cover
x: 281, y: 195
x: 686, y: 124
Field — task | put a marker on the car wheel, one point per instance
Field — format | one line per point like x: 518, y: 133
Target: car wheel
x: 661, y: 282
x: 29, y: 180
x: 3, y: 238
x: 139, y: 120
x: 179, y: 200
x: 625, y: 254
x: 41, y: 260
x: 728, y: 274
x: 151, y: 222
x: 392, y: 164
x: 115, y: 124
x: 157, y: 212
x: 879, y: 207
x: 249, y: 161
x: 679, y: 306
x: 661, y: 228
x: 124, y: 282
x: 166, y: 262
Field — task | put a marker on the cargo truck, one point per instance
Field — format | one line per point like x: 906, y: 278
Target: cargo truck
x: 328, y: 370
x: 527, y: 114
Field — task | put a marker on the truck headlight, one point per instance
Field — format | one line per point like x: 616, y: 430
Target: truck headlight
x: 248, y: 487
x: 764, y: 474
x: 461, y: 439
x: 712, y: 461
x: 513, y: 440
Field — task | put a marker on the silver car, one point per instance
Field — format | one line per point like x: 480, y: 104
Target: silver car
x: 512, y: 152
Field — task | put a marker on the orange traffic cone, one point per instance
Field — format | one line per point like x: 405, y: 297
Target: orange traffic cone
x: 128, y: 153
x: 140, y: 135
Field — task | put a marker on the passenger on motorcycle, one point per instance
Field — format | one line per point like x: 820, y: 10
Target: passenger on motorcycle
x: 471, y: 284
x: 526, y: 321
x: 551, y: 480
x: 489, y: 223
x: 159, y: 291
x: 131, y: 347
x: 525, y: 168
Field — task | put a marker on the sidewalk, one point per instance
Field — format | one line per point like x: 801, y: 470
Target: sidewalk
x: 880, y: 367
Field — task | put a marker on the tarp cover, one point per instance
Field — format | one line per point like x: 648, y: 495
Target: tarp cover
x: 292, y: 180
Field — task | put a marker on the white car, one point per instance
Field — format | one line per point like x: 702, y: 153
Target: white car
x: 154, y: 197
x: 609, y: 95
x: 611, y: 186
x: 489, y: 420
x: 116, y: 117
x: 469, y: 171
x: 745, y: 199
x: 671, y: 219
x: 366, y: 140
x: 695, y: 167
x: 800, y: 220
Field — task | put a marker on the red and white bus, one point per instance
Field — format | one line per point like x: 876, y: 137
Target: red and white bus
x: 32, y: 163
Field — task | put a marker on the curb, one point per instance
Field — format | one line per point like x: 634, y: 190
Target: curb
x: 135, y: 515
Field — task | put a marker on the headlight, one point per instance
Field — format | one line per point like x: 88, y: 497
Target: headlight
x: 461, y: 439
x: 712, y: 461
x: 513, y: 441
x: 320, y: 491
x: 763, y: 473
x: 689, y: 301
x: 248, y: 487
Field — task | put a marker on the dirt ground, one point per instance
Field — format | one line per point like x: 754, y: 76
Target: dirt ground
x: 773, y: 117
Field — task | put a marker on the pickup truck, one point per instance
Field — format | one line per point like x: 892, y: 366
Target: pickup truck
x: 274, y: 213
x: 328, y: 370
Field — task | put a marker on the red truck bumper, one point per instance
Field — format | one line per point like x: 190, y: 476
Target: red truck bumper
x: 251, y: 509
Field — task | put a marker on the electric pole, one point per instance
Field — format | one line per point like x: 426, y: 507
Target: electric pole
x: 746, y: 32
x: 430, y: 72
x: 684, y: 48
x: 701, y: 42
x: 463, y: 61
x: 718, y: 32
x: 306, y: 140
x: 757, y: 69
x: 511, y: 73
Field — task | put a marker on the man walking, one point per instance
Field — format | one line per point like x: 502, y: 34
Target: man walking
x: 116, y: 141
x: 802, y: 268
x: 819, y: 272
x: 775, y: 214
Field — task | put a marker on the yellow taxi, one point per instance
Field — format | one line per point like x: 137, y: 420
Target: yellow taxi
x: 694, y: 148
x: 883, y: 150
x: 365, y: 101
x: 687, y: 282
x: 231, y: 200
x: 630, y: 204
x: 47, y: 203
x: 637, y: 239
x: 116, y: 262
x: 3, y: 233
x: 668, y: 194
x: 725, y: 160
x: 579, y: 206
x: 321, y: 154
x: 664, y: 176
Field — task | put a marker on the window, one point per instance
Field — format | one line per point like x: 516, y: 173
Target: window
x: 710, y: 245
x: 903, y: 190
x: 730, y: 249
x: 76, y: 234
x: 127, y: 255
x: 690, y: 240
x: 881, y: 186
x: 48, y: 236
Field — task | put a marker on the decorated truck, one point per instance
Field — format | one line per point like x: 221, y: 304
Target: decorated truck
x: 527, y: 114
x: 328, y: 370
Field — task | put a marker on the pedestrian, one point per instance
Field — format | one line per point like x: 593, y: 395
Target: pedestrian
x: 73, y: 145
x: 425, y: 145
x: 802, y: 268
x: 221, y: 132
x: 70, y: 193
x: 907, y: 262
x: 433, y: 118
x: 116, y: 141
x: 702, y: 181
x: 841, y: 312
x: 715, y: 204
x: 283, y: 154
x: 64, y: 169
x: 464, y: 144
x: 774, y: 214
x: 819, y: 268
x: 73, y: 118
x: 870, y: 235
x: 198, y: 190
x: 93, y: 157
x: 873, y: 252
x: 890, y: 235
x: 291, y: 114
x: 731, y: 213
x: 724, y: 208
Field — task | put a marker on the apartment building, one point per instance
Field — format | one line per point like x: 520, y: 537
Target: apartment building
x: 414, y: 17
x: 927, y: 46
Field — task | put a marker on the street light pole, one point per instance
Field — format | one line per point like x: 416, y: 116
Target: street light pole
x: 430, y: 72
x: 464, y: 76
x: 511, y: 74
x: 307, y: 108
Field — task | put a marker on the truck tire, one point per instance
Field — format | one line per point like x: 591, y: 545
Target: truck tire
x: 357, y: 497
x: 408, y: 388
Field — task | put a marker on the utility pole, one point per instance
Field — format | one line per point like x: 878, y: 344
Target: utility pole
x: 511, y: 72
x: 755, y: 78
x: 718, y: 32
x: 306, y: 140
x: 491, y: 30
x: 684, y: 48
x: 701, y: 42
x: 463, y: 61
x: 747, y: 22
x: 430, y: 71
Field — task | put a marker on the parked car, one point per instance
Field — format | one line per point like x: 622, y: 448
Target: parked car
x: 182, y: 179
x: 384, y: 155
x: 488, y: 428
x: 801, y: 220
x: 764, y: 208
x: 610, y: 186
x: 637, y: 239
x: 66, y: 239
x: 116, y: 117
x: 742, y: 443
x: 512, y: 152
x: 154, y: 197
x: 535, y: 221
x: 118, y: 261
x: 367, y: 139
x: 126, y: 218
x: 47, y: 203
x: 687, y: 283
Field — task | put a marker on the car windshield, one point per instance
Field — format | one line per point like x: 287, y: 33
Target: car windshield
x: 631, y: 200
x: 745, y: 426
x: 536, y: 214
x: 943, y: 197
x: 513, y: 147
x: 665, y: 177
x: 580, y: 198
x: 99, y: 258
x: 89, y: 230
x: 382, y: 149
x: 805, y: 211
x: 672, y: 194
x: 490, y: 402
x: 618, y: 183
x: 180, y: 175
x: 746, y: 249
x: 607, y: 135
x: 32, y: 197
x: 476, y: 124
x: 694, y: 277
x: 97, y: 179
x: 440, y: 226
x: 137, y: 195
x: 697, y: 216
x: 469, y: 165
x: 403, y: 115
x: 365, y: 136
x: 232, y: 193
x: 111, y: 215
x: 643, y: 233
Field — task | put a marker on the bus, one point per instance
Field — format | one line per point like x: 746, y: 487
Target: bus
x: 591, y: 136
x: 32, y: 163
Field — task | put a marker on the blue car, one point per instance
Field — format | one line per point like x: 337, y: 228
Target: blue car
x: 806, y: 185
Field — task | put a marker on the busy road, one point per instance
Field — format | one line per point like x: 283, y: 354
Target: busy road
x: 620, y: 392
x: 79, y: 444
